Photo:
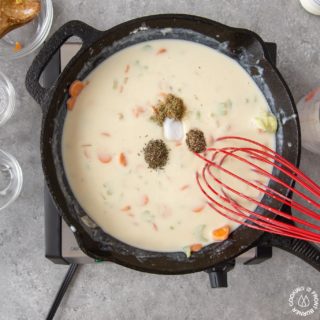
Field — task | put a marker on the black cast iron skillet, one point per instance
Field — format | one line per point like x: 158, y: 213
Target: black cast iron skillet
x: 241, y: 45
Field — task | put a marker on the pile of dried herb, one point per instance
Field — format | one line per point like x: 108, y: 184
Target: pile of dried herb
x: 156, y: 154
x: 172, y: 107
x: 196, y: 141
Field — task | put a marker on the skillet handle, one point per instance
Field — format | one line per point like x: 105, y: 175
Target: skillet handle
x: 87, y: 34
x: 305, y: 250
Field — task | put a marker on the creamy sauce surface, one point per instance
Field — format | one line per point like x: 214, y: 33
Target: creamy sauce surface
x: 159, y: 210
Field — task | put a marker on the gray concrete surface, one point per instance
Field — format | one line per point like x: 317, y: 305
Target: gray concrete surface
x: 28, y: 282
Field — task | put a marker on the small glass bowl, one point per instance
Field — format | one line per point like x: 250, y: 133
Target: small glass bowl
x: 30, y: 36
x: 7, y: 99
x: 11, y: 179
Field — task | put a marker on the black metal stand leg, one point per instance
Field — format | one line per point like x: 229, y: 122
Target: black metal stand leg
x: 63, y: 288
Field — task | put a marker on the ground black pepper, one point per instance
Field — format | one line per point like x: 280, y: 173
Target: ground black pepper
x: 172, y: 107
x: 156, y: 154
x: 196, y: 141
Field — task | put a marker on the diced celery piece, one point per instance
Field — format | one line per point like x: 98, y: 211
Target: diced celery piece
x: 224, y: 107
x: 115, y: 84
x: 199, y: 233
x: 147, y: 216
x: 187, y: 251
x: 147, y: 47
x: 266, y: 122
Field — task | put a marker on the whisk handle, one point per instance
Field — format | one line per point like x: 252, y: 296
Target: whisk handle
x: 305, y: 250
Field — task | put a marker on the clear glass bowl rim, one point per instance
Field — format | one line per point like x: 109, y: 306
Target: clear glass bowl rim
x: 18, y: 175
x: 40, y: 38
x: 11, y: 99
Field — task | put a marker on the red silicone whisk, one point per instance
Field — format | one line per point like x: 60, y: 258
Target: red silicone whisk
x: 233, y: 203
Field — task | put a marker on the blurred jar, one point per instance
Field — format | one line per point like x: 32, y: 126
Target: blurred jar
x: 7, y: 99
x: 29, y: 37
x: 312, y: 6
x: 10, y: 179
x: 309, y: 115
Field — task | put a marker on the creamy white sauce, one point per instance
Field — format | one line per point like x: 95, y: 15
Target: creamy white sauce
x: 112, y: 116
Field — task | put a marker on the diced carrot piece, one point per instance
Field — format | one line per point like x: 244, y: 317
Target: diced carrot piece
x: 155, y: 227
x: 196, y: 247
x: 126, y: 208
x: 161, y: 50
x: 137, y: 111
x: 17, y: 46
x: 75, y: 88
x: 186, y: 186
x: 70, y: 103
x: 198, y: 209
x: 127, y: 68
x: 104, y: 157
x: 123, y: 159
x: 163, y: 94
x: 221, y: 233
x: 145, y: 200
x: 106, y: 134
x: 178, y: 144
